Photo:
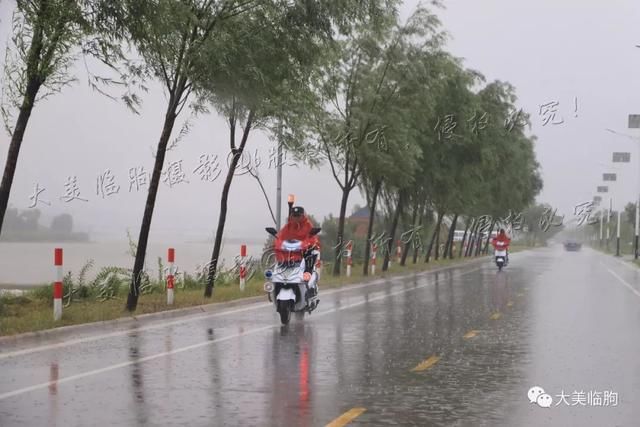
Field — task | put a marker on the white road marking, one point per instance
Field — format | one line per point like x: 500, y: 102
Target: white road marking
x: 624, y: 282
x: 194, y: 318
x: 202, y: 344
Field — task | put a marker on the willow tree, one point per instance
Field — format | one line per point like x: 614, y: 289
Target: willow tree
x: 446, y: 144
x: 359, y: 89
x: 509, y: 150
x: 260, y: 80
x: 171, y: 36
x: 47, y: 37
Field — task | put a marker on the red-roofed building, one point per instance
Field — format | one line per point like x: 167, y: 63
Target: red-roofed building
x: 360, y: 219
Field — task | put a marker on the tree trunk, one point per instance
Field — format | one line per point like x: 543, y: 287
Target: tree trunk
x: 416, y: 248
x: 14, y: 146
x: 392, y: 235
x: 437, y: 248
x: 237, y: 154
x: 372, y: 215
x: 433, y: 238
x: 449, y: 247
x: 479, y: 242
x: 445, y: 251
x: 141, y: 250
x: 464, y: 237
x: 486, y: 244
x: 472, y: 238
x: 340, y: 238
x: 405, y: 250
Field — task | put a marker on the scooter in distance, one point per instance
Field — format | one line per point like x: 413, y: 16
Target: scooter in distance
x: 500, y: 255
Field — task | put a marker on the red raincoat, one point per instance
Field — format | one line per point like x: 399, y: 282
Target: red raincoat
x: 295, y: 231
x: 501, y: 242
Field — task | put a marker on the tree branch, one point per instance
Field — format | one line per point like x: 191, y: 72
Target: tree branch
x: 333, y: 169
x: 264, y: 192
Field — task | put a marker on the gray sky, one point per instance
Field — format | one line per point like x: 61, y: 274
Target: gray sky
x: 549, y: 50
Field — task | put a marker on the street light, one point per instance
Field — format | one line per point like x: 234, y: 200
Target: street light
x: 613, y: 177
x: 634, y: 123
x: 601, y: 221
x: 605, y: 189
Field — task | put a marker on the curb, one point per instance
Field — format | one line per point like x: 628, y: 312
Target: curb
x: 186, y: 311
x: 128, y: 320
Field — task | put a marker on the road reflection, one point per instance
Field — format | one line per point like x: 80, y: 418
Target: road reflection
x: 138, y: 403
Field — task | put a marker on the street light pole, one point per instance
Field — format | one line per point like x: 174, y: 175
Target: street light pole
x: 601, y: 221
x: 635, y: 245
x: 279, y: 188
x: 608, y: 223
x: 618, y: 236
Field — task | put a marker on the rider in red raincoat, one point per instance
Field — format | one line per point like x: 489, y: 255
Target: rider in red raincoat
x: 501, y: 242
x: 298, y: 227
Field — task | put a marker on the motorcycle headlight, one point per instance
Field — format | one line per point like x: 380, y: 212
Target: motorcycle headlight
x: 268, y: 287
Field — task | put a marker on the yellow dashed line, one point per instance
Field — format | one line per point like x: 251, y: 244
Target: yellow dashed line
x: 495, y: 316
x: 346, y: 418
x: 426, y: 364
x: 470, y: 334
x: 510, y: 304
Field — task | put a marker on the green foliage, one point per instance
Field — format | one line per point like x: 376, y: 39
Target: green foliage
x: 630, y: 213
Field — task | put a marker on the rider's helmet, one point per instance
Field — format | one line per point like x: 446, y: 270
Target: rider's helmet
x: 501, y: 232
x: 297, y: 214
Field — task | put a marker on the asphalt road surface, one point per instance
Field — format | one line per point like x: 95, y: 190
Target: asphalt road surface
x: 460, y: 347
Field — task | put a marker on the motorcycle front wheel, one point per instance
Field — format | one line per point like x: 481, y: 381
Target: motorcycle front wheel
x: 285, y: 311
x: 299, y: 315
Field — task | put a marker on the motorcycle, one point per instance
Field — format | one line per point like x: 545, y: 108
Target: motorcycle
x: 500, y: 255
x: 288, y: 286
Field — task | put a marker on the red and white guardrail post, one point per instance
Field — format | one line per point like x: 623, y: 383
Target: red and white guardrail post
x: 399, y: 251
x: 57, y: 285
x: 171, y: 257
x: 349, y: 258
x: 243, y: 270
x: 374, y: 249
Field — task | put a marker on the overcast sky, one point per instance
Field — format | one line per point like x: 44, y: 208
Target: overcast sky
x: 580, y: 54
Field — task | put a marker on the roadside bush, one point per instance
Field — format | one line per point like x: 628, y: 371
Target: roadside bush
x: 8, y: 300
x: 188, y: 281
x: 109, y: 283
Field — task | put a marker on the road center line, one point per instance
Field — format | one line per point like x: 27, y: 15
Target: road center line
x: 470, y: 334
x: 205, y: 343
x: 423, y: 366
x: 346, y: 418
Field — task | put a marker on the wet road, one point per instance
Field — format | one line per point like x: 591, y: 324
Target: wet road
x: 460, y: 347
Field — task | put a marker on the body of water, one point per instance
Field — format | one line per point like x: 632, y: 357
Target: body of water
x: 27, y: 264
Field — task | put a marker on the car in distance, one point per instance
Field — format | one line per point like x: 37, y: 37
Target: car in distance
x: 572, y: 245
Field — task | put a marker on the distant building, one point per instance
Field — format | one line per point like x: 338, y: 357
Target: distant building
x: 360, y: 220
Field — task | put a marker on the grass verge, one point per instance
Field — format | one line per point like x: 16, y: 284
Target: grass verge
x: 25, y: 313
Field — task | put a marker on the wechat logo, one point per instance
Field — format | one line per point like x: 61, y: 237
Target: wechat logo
x: 537, y: 395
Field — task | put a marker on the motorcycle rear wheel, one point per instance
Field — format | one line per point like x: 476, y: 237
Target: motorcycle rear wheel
x: 285, y: 311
